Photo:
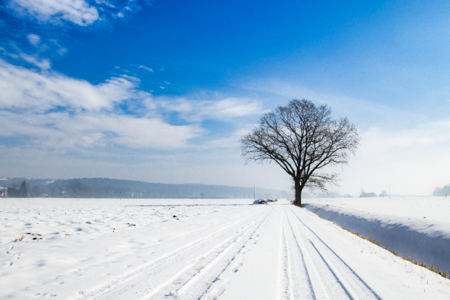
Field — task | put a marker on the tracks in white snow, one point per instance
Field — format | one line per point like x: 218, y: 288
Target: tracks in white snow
x: 187, y: 272
x: 311, y: 269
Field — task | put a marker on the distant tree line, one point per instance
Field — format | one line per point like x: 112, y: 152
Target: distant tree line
x: 22, y: 191
x: 443, y: 191
x: 115, y: 188
x: 79, y: 190
x: 367, y: 195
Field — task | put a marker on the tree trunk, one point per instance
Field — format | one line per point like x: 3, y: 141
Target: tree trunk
x: 298, y: 192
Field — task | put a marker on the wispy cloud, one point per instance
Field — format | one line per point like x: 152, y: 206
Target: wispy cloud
x: 24, y: 88
x: 61, y: 130
x: 230, y: 141
x: 79, y: 12
x: 22, y: 52
x: 57, y: 111
x: 34, y: 39
x: 15, y: 52
x: 199, y: 110
x: 42, y: 63
x: 58, y: 48
x: 145, y: 68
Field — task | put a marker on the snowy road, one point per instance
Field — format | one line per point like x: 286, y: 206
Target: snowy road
x: 209, y: 251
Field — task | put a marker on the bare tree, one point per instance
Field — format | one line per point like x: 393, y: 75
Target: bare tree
x: 23, y: 190
x: 74, y: 187
x: 302, y: 139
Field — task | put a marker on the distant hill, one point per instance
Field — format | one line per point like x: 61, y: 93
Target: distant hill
x: 116, y: 188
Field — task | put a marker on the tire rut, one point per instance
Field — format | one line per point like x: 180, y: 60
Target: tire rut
x: 342, y: 282
x: 297, y: 280
x: 134, y: 281
x: 199, y: 280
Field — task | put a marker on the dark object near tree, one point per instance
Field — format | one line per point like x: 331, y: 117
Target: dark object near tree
x: 12, y: 192
x: 302, y: 138
x: 368, y: 195
x: 383, y: 194
x: 22, y: 192
x: 74, y: 186
x: 260, y: 201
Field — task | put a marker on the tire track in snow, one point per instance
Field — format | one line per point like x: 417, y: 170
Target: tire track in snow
x: 341, y: 281
x: 296, y: 283
x: 220, y: 283
x: 285, y: 280
x: 120, y: 287
x: 202, y: 279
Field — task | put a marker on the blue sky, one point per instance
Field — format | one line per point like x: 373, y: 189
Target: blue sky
x: 162, y: 91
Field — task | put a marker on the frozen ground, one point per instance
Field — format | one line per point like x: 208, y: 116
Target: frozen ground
x: 191, y: 249
x: 418, y: 228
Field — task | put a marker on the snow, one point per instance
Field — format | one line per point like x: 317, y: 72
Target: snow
x: 416, y: 228
x: 191, y: 249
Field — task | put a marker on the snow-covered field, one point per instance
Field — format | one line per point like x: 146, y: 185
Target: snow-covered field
x: 191, y: 249
x: 414, y: 227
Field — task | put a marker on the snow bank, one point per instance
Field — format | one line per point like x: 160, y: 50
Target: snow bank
x: 418, y: 228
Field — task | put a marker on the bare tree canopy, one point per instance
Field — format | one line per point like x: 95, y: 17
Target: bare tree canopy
x: 302, y: 139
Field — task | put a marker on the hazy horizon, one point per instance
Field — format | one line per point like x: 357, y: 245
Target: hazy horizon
x: 162, y: 91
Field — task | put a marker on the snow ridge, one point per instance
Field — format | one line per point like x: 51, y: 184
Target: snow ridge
x: 418, y: 239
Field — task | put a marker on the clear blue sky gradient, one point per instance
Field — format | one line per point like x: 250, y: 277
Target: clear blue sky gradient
x: 162, y: 90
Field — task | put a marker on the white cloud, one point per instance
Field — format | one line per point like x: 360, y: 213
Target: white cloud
x: 42, y: 63
x: 78, y: 12
x: 106, y: 3
x: 34, y: 39
x: 41, y: 91
x: 59, y: 49
x: 17, y: 53
x: 13, y: 50
x: 231, y: 141
x: 81, y: 114
x: 146, y: 68
x: 60, y: 130
x: 23, y: 88
x: 231, y: 107
x: 53, y: 111
x: 198, y: 110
